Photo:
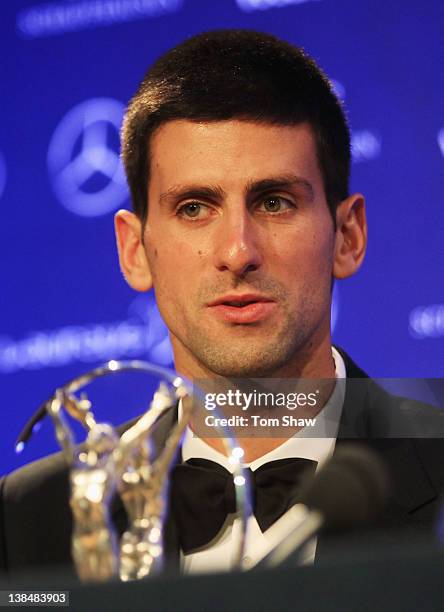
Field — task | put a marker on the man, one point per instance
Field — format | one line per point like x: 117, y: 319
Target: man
x: 242, y: 199
x: 237, y: 154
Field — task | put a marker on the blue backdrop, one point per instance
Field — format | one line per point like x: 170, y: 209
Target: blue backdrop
x: 69, y: 68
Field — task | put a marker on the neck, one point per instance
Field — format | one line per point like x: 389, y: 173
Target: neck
x: 321, y: 366
x: 314, y: 360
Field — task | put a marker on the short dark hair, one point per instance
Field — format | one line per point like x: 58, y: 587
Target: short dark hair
x: 237, y: 74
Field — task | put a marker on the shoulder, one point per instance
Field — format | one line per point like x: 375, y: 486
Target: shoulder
x: 35, y: 515
x: 32, y: 479
x: 408, y: 433
x: 385, y: 414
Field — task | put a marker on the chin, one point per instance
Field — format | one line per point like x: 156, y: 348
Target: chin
x: 237, y: 366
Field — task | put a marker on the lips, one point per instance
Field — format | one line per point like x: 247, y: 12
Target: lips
x: 238, y: 301
x: 242, y: 309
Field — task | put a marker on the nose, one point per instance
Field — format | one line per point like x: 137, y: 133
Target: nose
x: 237, y: 249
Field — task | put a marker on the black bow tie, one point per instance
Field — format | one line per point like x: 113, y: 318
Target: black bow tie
x: 202, y: 494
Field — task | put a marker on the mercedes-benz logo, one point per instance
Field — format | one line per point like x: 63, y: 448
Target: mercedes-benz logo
x: 83, y: 160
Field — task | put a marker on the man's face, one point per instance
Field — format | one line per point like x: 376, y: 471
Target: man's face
x: 240, y: 245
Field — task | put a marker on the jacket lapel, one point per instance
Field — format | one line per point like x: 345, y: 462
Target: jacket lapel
x: 365, y: 419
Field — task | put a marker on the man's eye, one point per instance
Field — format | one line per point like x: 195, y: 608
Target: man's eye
x: 192, y: 210
x: 275, y: 204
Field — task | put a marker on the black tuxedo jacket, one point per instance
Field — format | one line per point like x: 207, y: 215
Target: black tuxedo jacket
x: 35, y: 517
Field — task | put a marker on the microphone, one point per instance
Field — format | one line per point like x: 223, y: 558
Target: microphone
x: 349, y: 491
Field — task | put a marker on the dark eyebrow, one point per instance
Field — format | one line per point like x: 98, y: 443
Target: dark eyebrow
x: 183, y: 192
x: 286, y: 181
x: 214, y: 192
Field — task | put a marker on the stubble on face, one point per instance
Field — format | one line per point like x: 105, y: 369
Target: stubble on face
x: 253, y: 350
x: 192, y: 267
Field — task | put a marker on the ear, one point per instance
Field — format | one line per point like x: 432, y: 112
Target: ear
x: 351, y: 236
x: 132, y: 256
